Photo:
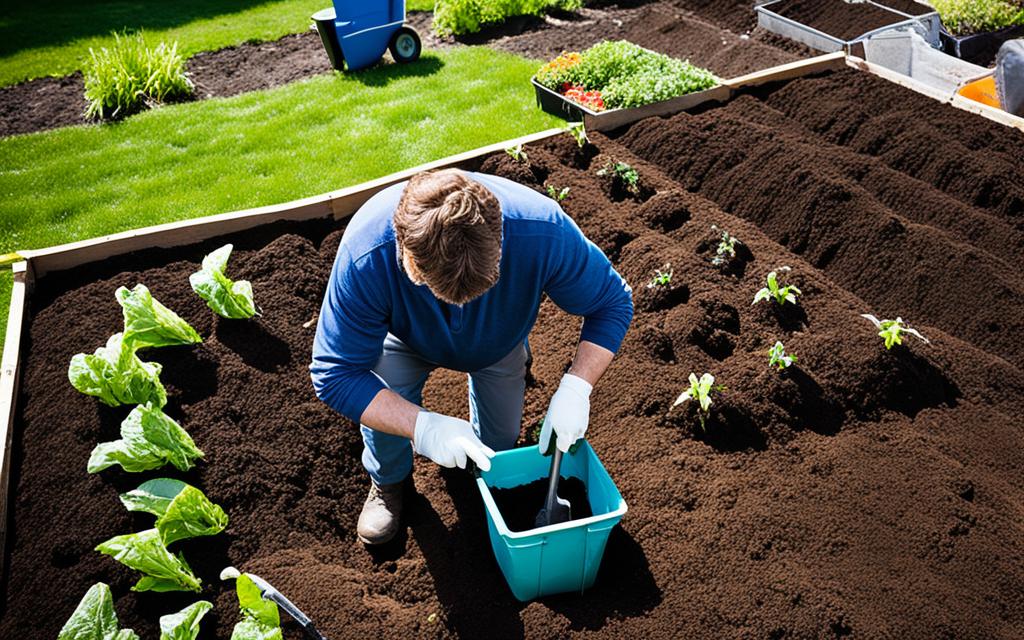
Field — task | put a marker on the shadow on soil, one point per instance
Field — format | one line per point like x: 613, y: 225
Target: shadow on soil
x: 473, y: 591
x: 254, y: 344
x: 383, y: 74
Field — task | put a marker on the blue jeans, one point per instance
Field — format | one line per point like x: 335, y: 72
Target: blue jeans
x: 496, y: 396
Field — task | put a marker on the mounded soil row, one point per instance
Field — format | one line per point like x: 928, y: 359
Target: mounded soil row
x: 863, y: 492
x: 914, y: 206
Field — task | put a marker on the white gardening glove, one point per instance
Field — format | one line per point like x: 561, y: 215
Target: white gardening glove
x: 568, y: 414
x: 449, y: 441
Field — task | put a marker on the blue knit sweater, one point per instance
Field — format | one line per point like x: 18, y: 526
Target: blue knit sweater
x: 369, y: 295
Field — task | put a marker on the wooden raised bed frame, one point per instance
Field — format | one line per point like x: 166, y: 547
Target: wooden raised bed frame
x: 337, y: 204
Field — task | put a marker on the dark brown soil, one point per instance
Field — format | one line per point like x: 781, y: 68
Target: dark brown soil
x: 45, y: 103
x: 519, y: 505
x: 862, y: 493
x: 837, y: 18
x: 909, y: 7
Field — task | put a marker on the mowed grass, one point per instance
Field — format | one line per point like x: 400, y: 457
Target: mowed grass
x: 260, y: 148
x: 53, y: 37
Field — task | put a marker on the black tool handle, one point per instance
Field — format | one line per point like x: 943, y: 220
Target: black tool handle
x: 556, y: 471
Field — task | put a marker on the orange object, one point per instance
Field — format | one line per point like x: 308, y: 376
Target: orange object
x: 983, y: 91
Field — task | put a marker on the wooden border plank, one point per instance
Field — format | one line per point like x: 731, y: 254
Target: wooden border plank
x: 340, y: 204
x: 621, y: 117
x: 826, y: 62
x: 984, y: 110
x: 954, y: 99
x: 10, y: 376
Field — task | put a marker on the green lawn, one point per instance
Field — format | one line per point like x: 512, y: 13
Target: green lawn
x: 259, y: 148
x: 52, y: 37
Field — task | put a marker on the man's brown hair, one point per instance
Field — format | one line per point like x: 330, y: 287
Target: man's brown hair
x: 449, y: 227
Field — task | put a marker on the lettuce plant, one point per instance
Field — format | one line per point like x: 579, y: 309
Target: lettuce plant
x: 777, y: 356
x: 146, y: 553
x: 518, y: 154
x: 260, y: 618
x: 95, y: 619
x: 181, y: 510
x: 891, y: 330
x: 557, y: 194
x: 701, y: 391
x: 184, y: 625
x: 228, y: 299
x: 774, y: 291
x: 147, y: 323
x: 662, y: 277
x: 626, y: 174
x: 149, y: 440
x: 578, y: 131
x: 116, y: 376
x: 726, y: 249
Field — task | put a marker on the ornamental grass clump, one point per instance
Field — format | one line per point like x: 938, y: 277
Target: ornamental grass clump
x: 458, y: 17
x: 966, y: 17
x: 131, y: 76
x: 620, y: 74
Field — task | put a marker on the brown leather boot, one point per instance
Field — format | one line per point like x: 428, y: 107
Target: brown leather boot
x: 379, y: 520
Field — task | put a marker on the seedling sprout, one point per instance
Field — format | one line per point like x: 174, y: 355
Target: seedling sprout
x: 891, y: 330
x: 557, y: 194
x: 726, y: 249
x: 700, y: 390
x: 578, y: 131
x: 777, y: 356
x: 662, y: 277
x: 517, y: 153
x: 624, y: 172
x: 773, y: 291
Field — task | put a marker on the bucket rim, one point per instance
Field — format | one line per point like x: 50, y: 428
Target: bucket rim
x: 499, y: 521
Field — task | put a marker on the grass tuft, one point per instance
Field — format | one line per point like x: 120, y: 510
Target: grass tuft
x: 130, y: 76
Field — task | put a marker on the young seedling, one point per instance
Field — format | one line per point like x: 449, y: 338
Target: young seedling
x: 773, y: 291
x: 777, y: 356
x: 700, y: 390
x: 625, y: 173
x: 578, y: 131
x: 517, y: 153
x: 891, y: 330
x: 726, y: 249
x: 662, y: 277
x: 557, y: 194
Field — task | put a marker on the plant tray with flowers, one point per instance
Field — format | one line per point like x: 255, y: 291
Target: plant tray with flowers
x: 616, y: 82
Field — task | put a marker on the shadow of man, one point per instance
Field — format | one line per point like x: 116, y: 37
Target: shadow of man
x: 470, y: 586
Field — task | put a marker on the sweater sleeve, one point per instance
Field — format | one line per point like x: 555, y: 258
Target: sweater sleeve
x: 350, y: 335
x: 582, y: 281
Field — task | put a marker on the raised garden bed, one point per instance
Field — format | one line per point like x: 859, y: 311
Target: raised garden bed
x: 861, y: 492
x: 836, y: 25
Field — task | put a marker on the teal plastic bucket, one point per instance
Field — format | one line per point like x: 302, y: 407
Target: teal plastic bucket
x: 559, y: 558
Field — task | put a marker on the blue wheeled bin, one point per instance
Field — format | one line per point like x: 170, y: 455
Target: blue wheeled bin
x: 356, y: 33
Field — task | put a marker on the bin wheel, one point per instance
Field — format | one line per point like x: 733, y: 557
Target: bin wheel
x: 405, y: 45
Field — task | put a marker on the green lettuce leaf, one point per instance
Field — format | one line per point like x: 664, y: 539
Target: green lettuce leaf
x: 182, y: 511
x: 94, y: 618
x: 227, y: 299
x: 117, y: 376
x: 147, y: 323
x: 149, y: 440
x: 145, y: 552
x: 184, y: 625
x: 260, y: 618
